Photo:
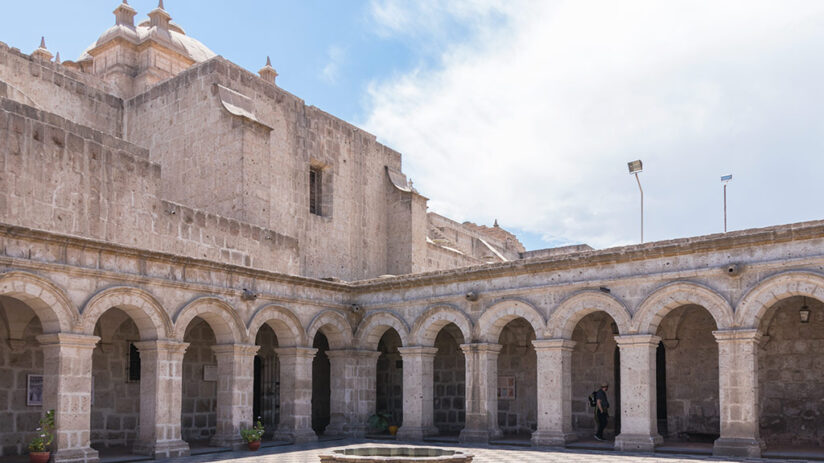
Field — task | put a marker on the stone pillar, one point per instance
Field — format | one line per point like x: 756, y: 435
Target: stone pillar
x: 235, y: 390
x: 67, y: 384
x: 738, y: 393
x: 639, y: 420
x: 481, y: 392
x: 161, y: 390
x: 418, y: 393
x: 295, y: 394
x: 554, y: 392
x: 353, y: 381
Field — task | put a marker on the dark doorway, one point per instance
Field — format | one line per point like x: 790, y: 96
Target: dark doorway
x: 661, y: 387
x: 257, y: 397
x: 321, y: 385
x: 616, y: 372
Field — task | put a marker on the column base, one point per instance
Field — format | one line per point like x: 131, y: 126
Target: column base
x: 85, y: 455
x: 297, y: 436
x: 336, y: 427
x: 167, y: 449
x: 637, y: 442
x: 478, y: 435
x: 355, y: 430
x: 235, y: 442
x: 732, y: 447
x: 552, y: 438
x: 407, y: 433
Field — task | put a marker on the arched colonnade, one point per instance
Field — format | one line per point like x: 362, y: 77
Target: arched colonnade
x: 68, y: 338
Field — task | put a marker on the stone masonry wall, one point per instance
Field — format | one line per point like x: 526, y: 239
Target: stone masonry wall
x: 791, y: 375
x: 115, y: 411
x: 199, y: 397
x: 692, y: 372
x: 51, y: 87
x: 450, y: 381
x: 69, y: 179
x: 264, y: 173
x: 593, y: 363
x: 518, y: 359
x: 389, y: 394
x: 18, y: 420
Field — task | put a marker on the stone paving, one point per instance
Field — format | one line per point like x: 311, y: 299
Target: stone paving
x: 306, y: 453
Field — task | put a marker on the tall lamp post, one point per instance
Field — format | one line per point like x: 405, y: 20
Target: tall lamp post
x: 636, y: 167
x: 725, y: 180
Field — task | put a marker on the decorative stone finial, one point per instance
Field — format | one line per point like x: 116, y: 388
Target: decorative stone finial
x: 57, y: 58
x: 42, y: 53
x: 495, y: 224
x: 159, y: 17
x: 267, y: 72
x: 124, y: 14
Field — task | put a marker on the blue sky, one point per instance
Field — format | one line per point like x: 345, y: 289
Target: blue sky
x: 527, y: 111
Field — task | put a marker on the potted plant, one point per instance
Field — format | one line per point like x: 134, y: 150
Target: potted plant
x: 39, y: 446
x: 382, y: 421
x: 252, y: 435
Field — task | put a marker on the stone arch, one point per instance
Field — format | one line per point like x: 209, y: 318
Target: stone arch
x: 221, y: 317
x: 54, y: 309
x: 676, y: 294
x: 375, y: 324
x: 427, y: 326
x: 334, y: 326
x: 766, y: 293
x: 152, y: 320
x: 565, y: 318
x: 283, y: 322
x: 493, y: 320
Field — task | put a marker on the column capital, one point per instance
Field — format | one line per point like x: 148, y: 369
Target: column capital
x: 417, y: 351
x: 748, y: 335
x: 175, y: 347
x: 482, y: 347
x: 553, y: 344
x: 637, y: 340
x: 236, y: 349
x: 68, y: 340
x: 352, y: 353
x: 305, y: 352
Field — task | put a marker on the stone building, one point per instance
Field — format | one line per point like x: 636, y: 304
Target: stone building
x: 184, y: 245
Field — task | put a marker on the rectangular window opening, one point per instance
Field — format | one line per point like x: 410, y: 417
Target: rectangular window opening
x: 315, y: 192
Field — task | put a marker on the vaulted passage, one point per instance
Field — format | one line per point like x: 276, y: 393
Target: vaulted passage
x: 449, y: 401
x: 115, y: 404
x: 389, y: 387
x: 199, y: 406
x: 266, y: 400
x: 791, y: 374
x: 21, y: 381
x: 517, y: 380
x: 690, y: 356
x: 593, y: 363
x: 321, y: 385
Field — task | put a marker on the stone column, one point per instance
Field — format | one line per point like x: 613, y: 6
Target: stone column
x: 738, y: 393
x: 67, y: 384
x: 161, y: 390
x: 418, y: 393
x: 353, y: 392
x: 235, y: 390
x: 639, y: 419
x: 554, y: 392
x: 295, y: 394
x: 481, y: 392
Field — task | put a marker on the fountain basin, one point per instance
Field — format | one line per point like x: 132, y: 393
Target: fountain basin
x: 396, y: 455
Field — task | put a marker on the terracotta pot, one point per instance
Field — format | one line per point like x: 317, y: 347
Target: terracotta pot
x: 39, y: 457
x: 254, y: 445
x: 393, y: 430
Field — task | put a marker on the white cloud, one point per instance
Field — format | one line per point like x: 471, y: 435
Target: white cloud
x: 336, y: 56
x: 532, y: 117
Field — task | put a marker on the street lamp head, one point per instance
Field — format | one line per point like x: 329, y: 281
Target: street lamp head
x: 635, y: 166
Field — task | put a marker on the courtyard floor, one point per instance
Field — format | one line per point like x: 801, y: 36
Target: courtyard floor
x: 308, y: 453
